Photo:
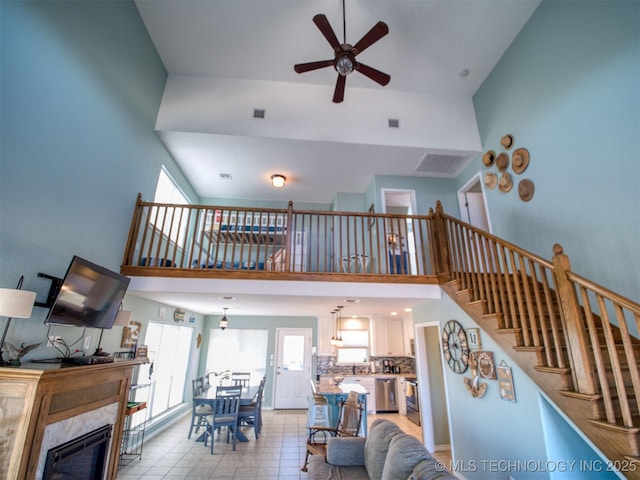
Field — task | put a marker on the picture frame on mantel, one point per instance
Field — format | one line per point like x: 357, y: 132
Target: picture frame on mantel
x: 130, y: 334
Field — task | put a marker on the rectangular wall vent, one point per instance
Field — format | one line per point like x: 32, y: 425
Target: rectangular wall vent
x: 394, y: 123
x: 258, y: 113
x: 442, y: 164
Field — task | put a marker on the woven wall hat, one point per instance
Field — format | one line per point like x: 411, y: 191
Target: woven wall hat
x: 488, y: 158
x: 507, y: 141
x: 526, y: 189
x: 490, y: 180
x: 520, y: 160
x: 505, y: 184
x: 502, y: 162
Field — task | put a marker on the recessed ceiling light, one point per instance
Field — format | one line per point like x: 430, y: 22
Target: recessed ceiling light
x: 408, y: 309
x: 464, y: 73
x: 394, y: 313
x: 352, y: 300
x: 226, y: 297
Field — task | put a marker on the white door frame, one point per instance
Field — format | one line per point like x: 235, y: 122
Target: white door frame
x: 424, y: 386
x: 473, y: 184
x: 300, y: 394
x: 411, y: 205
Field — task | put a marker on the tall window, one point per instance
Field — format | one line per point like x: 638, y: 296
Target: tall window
x: 168, y: 220
x: 238, y: 350
x: 169, y: 349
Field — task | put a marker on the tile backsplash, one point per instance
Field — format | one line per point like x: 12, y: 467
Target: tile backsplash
x: 327, y: 365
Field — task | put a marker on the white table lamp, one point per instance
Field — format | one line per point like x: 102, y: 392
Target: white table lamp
x: 14, y: 303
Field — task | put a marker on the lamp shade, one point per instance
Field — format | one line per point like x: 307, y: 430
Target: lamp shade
x: 16, y: 303
x: 123, y: 318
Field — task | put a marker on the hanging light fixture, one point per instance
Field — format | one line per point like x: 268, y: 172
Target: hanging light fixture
x: 333, y: 328
x: 224, y: 323
x: 339, y: 341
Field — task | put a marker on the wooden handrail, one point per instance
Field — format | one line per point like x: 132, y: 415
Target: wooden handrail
x: 569, y: 321
x: 218, y: 239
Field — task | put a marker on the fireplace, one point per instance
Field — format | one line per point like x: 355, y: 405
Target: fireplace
x: 84, y: 458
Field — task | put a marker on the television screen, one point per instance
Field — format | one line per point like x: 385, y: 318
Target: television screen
x: 90, y: 296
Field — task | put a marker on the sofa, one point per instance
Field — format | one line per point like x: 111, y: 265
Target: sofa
x: 386, y: 454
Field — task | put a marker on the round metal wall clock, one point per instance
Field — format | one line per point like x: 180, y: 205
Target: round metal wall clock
x: 455, y: 346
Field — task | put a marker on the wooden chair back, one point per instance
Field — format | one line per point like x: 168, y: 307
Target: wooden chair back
x: 240, y: 378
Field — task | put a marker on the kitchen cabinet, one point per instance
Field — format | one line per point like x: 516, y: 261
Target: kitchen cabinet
x: 369, y: 384
x: 387, y: 338
x: 325, y: 332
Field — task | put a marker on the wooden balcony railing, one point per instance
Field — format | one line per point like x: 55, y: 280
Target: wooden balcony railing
x: 204, y: 240
x: 575, y: 327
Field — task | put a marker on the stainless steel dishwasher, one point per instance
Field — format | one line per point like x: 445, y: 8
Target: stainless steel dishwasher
x: 386, y: 395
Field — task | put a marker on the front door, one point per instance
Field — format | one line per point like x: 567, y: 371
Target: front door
x: 293, y: 368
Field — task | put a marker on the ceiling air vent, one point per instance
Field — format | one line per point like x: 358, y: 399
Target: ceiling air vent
x: 394, y: 123
x: 258, y: 113
x: 226, y: 176
x: 442, y: 164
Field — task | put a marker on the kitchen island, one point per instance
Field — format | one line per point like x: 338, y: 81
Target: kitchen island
x: 336, y: 394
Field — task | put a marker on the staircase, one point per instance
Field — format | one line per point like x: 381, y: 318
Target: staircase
x: 569, y: 335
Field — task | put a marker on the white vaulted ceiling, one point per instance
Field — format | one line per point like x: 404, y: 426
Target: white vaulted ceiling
x: 226, y: 58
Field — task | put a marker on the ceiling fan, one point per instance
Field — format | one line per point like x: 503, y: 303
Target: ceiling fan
x: 344, y: 60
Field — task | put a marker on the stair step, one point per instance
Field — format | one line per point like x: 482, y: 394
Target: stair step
x: 554, y: 370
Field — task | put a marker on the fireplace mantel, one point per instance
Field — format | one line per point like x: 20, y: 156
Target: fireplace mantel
x: 36, y: 395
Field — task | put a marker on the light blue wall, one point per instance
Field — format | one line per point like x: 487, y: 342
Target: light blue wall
x: 81, y: 85
x: 428, y: 192
x: 568, y: 89
x: 487, y: 430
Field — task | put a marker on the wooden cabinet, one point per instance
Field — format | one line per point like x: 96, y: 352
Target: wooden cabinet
x: 387, y: 337
x: 36, y: 397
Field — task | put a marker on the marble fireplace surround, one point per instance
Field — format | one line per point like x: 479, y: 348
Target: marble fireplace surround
x: 66, y: 430
x: 46, y: 405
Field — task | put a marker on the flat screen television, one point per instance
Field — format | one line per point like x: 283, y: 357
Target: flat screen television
x: 89, y: 296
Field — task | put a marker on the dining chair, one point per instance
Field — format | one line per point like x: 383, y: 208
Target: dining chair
x: 240, y: 378
x: 252, y: 414
x: 348, y: 426
x: 225, y: 414
x: 199, y: 409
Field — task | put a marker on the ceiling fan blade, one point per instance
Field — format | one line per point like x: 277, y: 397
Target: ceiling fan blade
x: 338, y: 94
x: 307, y: 67
x: 378, y: 31
x: 375, y: 75
x: 325, y: 27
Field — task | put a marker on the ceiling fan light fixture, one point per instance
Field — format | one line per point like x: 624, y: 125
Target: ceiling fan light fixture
x: 344, y: 65
x: 278, y: 181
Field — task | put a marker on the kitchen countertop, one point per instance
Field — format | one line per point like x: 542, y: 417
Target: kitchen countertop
x: 373, y: 375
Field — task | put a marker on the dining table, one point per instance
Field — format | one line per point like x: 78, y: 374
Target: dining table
x: 247, y: 396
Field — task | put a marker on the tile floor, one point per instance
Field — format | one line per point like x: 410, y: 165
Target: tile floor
x: 277, y: 454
